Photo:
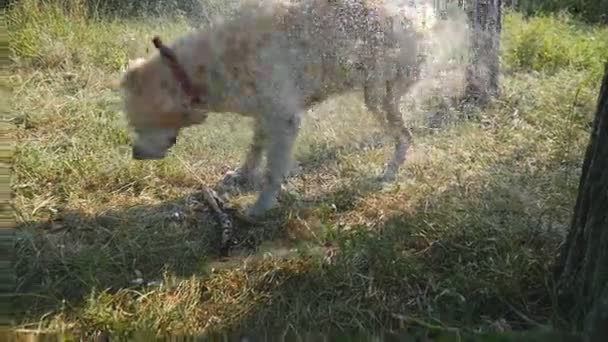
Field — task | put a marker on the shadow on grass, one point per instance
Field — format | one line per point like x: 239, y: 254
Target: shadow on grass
x: 75, y: 252
x: 457, y: 261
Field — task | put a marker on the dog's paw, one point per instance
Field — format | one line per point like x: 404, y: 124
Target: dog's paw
x: 232, y: 178
x: 261, y: 207
x: 389, y: 174
x: 257, y: 210
x: 386, y: 177
x: 237, y: 180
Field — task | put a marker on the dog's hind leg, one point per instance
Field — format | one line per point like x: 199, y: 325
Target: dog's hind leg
x: 397, y: 129
x: 382, y: 100
x: 373, y: 94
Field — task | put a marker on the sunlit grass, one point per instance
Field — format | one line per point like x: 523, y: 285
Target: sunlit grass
x: 465, y: 236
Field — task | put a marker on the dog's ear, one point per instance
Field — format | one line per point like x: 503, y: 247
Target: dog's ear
x: 134, y: 63
x: 165, y: 52
x: 131, y: 79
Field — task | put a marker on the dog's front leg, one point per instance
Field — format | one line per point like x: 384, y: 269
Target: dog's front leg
x: 246, y: 176
x: 283, y: 130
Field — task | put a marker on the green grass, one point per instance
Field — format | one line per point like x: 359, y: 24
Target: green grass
x: 464, y: 239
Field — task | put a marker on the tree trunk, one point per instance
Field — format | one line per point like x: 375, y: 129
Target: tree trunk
x: 483, y: 70
x: 8, y: 280
x: 582, y: 266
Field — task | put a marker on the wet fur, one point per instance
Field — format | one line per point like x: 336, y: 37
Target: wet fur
x: 271, y: 62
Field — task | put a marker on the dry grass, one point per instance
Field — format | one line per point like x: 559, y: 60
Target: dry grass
x: 463, y: 239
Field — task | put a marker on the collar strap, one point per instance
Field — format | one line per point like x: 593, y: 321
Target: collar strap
x: 191, y: 90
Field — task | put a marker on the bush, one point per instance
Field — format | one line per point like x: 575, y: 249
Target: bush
x: 588, y: 10
x: 552, y: 42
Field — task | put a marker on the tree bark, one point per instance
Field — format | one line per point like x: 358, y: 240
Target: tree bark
x: 582, y: 266
x: 483, y: 70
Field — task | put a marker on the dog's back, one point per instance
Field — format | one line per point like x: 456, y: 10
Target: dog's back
x: 326, y: 46
x: 336, y: 45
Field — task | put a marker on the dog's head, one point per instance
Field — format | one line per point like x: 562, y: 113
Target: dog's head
x: 159, y: 100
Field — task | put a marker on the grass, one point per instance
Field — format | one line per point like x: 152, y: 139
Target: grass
x: 464, y: 239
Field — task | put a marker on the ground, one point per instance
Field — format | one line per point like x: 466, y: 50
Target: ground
x: 464, y: 238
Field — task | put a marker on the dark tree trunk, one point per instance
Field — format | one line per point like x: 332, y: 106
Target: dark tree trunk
x: 483, y: 70
x: 582, y: 266
x: 7, y: 231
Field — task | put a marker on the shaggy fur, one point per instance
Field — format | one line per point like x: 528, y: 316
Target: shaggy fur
x: 271, y: 62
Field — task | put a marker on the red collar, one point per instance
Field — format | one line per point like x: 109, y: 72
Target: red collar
x: 191, y: 90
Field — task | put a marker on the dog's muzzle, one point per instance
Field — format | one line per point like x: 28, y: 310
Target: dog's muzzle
x: 139, y: 153
x: 144, y: 152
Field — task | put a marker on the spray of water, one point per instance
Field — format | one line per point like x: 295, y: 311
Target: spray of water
x: 444, y: 44
x: 303, y: 51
